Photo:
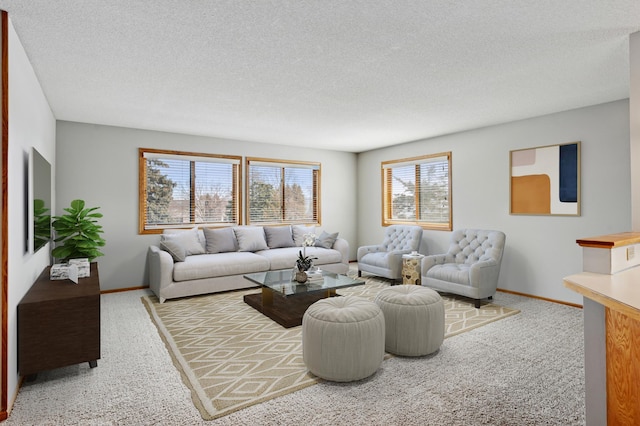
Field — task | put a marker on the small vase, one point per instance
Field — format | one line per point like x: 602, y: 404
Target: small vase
x: 301, y: 276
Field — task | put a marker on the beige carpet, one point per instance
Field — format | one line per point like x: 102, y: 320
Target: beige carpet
x: 232, y: 357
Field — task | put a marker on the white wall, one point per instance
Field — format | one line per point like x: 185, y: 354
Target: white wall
x: 634, y: 117
x: 31, y: 124
x: 540, y: 250
x: 100, y: 165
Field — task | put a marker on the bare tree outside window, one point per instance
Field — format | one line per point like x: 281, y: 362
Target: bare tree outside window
x: 418, y: 191
x: 282, y: 192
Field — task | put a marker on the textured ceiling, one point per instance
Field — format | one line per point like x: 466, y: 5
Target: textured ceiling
x: 349, y: 75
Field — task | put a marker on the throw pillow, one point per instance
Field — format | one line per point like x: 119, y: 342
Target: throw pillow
x: 188, y: 240
x: 326, y: 240
x: 279, y: 236
x: 174, y: 249
x: 299, y: 231
x: 250, y: 238
x: 220, y: 240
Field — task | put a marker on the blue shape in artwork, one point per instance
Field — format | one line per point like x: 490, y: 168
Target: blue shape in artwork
x: 569, y: 173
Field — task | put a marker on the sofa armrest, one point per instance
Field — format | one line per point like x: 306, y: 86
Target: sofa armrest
x: 342, y: 246
x: 160, y: 270
x: 362, y: 250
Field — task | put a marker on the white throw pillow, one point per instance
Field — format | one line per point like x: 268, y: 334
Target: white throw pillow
x: 250, y: 238
x: 299, y: 231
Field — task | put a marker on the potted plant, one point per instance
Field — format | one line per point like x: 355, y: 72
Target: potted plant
x: 303, y: 263
x: 78, y: 233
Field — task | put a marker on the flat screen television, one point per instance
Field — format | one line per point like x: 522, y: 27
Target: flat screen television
x: 41, y: 202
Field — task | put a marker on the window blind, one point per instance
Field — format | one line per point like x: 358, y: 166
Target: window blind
x: 417, y: 191
x: 189, y: 189
x: 282, y: 192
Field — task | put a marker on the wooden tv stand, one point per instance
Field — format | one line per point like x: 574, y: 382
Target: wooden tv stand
x: 59, y: 324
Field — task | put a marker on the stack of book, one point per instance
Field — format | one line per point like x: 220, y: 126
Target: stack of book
x: 60, y: 271
x: 314, y: 277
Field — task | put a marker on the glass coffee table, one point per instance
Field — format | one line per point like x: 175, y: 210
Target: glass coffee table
x: 285, y: 301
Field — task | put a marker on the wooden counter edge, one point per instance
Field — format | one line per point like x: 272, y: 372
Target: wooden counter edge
x: 607, y: 301
x: 611, y: 240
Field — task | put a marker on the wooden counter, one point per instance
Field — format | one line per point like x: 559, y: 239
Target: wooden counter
x: 612, y: 336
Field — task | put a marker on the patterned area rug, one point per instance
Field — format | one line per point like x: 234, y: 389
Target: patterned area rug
x: 231, y: 356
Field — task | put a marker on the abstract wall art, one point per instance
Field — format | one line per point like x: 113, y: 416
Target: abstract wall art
x: 546, y: 180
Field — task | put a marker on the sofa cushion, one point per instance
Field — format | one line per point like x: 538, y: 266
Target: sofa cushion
x: 188, y: 240
x: 250, y: 238
x: 219, y: 265
x: 279, y: 236
x: 326, y: 240
x: 285, y: 258
x: 300, y: 231
x: 220, y: 240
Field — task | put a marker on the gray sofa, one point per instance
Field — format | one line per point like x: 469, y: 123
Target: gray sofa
x: 209, y: 260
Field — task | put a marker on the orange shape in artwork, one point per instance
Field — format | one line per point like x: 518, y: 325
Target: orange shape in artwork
x: 531, y: 194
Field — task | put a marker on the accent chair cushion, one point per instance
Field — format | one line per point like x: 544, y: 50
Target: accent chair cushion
x: 279, y: 236
x: 220, y: 240
x: 250, y: 238
x: 402, y: 237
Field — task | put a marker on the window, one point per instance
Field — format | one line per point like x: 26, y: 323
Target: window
x: 418, y: 191
x: 181, y: 188
x: 282, y: 192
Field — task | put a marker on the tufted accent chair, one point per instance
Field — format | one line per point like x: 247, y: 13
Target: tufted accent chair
x: 385, y: 260
x: 471, y: 266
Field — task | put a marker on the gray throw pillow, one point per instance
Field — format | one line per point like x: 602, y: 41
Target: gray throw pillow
x: 174, y: 249
x: 188, y: 240
x: 250, y: 238
x: 220, y: 240
x: 279, y: 236
x: 326, y: 240
x: 299, y: 231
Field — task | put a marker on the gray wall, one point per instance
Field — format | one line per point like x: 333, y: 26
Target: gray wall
x: 100, y: 165
x: 31, y: 125
x: 540, y: 250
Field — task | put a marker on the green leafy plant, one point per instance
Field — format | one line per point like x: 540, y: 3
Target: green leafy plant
x: 41, y: 224
x: 78, y: 232
x: 304, y: 262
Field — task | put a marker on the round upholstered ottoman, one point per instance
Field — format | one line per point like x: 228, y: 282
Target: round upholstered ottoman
x: 343, y: 338
x: 414, y: 318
